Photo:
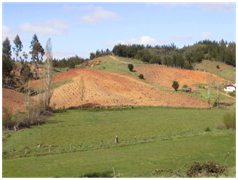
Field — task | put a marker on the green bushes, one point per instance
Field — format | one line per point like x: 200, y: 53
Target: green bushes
x: 233, y: 93
x: 175, y: 85
x: 141, y: 76
x: 130, y: 67
x: 60, y: 110
x: 229, y: 119
x: 7, y: 118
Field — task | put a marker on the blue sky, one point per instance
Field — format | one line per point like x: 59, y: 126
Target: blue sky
x: 79, y: 28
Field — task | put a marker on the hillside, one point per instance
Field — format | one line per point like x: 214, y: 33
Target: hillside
x: 225, y: 71
x: 108, y: 82
x: 164, y: 76
x: 13, y: 99
x: 110, y: 89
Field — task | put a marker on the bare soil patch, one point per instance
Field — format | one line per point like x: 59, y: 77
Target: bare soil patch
x: 13, y: 99
x: 164, y: 76
x: 110, y: 89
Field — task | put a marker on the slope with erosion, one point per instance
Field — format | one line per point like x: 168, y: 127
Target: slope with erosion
x: 164, y: 76
x: 110, y: 89
x: 13, y: 100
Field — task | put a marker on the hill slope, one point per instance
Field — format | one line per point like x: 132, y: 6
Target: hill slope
x: 225, y: 71
x: 164, y: 76
x: 109, y: 89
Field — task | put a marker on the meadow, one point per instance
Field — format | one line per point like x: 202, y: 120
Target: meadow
x: 80, y: 143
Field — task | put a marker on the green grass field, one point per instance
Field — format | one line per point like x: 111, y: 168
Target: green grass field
x: 165, y: 138
x: 226, y: 71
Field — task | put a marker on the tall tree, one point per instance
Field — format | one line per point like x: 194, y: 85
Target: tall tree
x: 37, y: 50
x: 48, y: 72
x: 18, y: 46
x: 7, y: 63
x: 6, y: 48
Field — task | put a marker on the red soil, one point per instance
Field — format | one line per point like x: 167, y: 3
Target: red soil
x: 13, y: 99
x: 109, y: 89
x: 164, y: 76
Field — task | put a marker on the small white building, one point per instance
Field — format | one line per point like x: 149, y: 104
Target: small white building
x: 230, y: 88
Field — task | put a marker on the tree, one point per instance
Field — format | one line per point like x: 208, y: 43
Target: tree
x: 25, y: 72
x: 209, y: 81
x: 6, y: 48
x: 37, y: 52
x: 175, y: 85
x: 130, y: 67
x: 48, y: 71
x: 7, y: 64
x: 18, y: 46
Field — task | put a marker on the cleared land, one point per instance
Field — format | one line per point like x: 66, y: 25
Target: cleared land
x: 110, y: 89
x: 166, y: 138
x: 13, y: 99
x: 164, y: 76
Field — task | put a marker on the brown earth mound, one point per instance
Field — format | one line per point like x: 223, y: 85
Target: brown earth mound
x: 13, y: 99
x: 164, y: 76
x: 109, y: 89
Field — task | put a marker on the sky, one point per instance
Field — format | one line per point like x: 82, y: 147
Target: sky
x: 78, y: 28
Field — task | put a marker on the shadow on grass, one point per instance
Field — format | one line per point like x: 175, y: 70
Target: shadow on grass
x: 99, y: 174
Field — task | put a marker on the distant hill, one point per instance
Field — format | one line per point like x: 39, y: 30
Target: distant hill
x: 225, y: 71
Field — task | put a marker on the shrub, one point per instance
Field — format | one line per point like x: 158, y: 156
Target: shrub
x: 141, y: 76
x: 218, y: 67
x: 185, y: 86
x: 229, y: 119
x: 206, y: 169
x: 130, y: 67
x: 7, y: 117
x: 233, y: 93
x: 175, y: 85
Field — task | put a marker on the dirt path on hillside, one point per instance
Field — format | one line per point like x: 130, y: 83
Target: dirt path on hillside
x: 228, y: 95
x: 118, y: 59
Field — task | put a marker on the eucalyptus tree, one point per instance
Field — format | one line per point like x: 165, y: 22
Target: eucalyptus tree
x: 18, y: 46
x: 37, y: 52
x: 7, y: 63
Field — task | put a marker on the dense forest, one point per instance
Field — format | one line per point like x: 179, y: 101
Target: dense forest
x: 170, y: 55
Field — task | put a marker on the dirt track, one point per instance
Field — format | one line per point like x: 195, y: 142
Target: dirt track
x: 164, y: 76
x: 109, y: 89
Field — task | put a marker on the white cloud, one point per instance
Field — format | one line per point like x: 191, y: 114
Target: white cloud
x: 51, y: 27
x: 10, y: 33
x: 181, y: 38
x: 98, y: 15
x: 141, y: 40
x: 206, y: 35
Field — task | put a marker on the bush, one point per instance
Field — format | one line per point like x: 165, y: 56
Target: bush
x: 130, y: 67
x: 206, y: 169
x: 218, y: 67
x: 233, y: 93
x: 60, y: 110
x: 185, y: 86
x: 175, y: 85
x: 7, y: 118
x: 141, y: 76
x: 229, y: 119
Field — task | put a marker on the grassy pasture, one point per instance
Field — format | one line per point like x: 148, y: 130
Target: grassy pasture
x: 165, y: 138
x: 226, y: 71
